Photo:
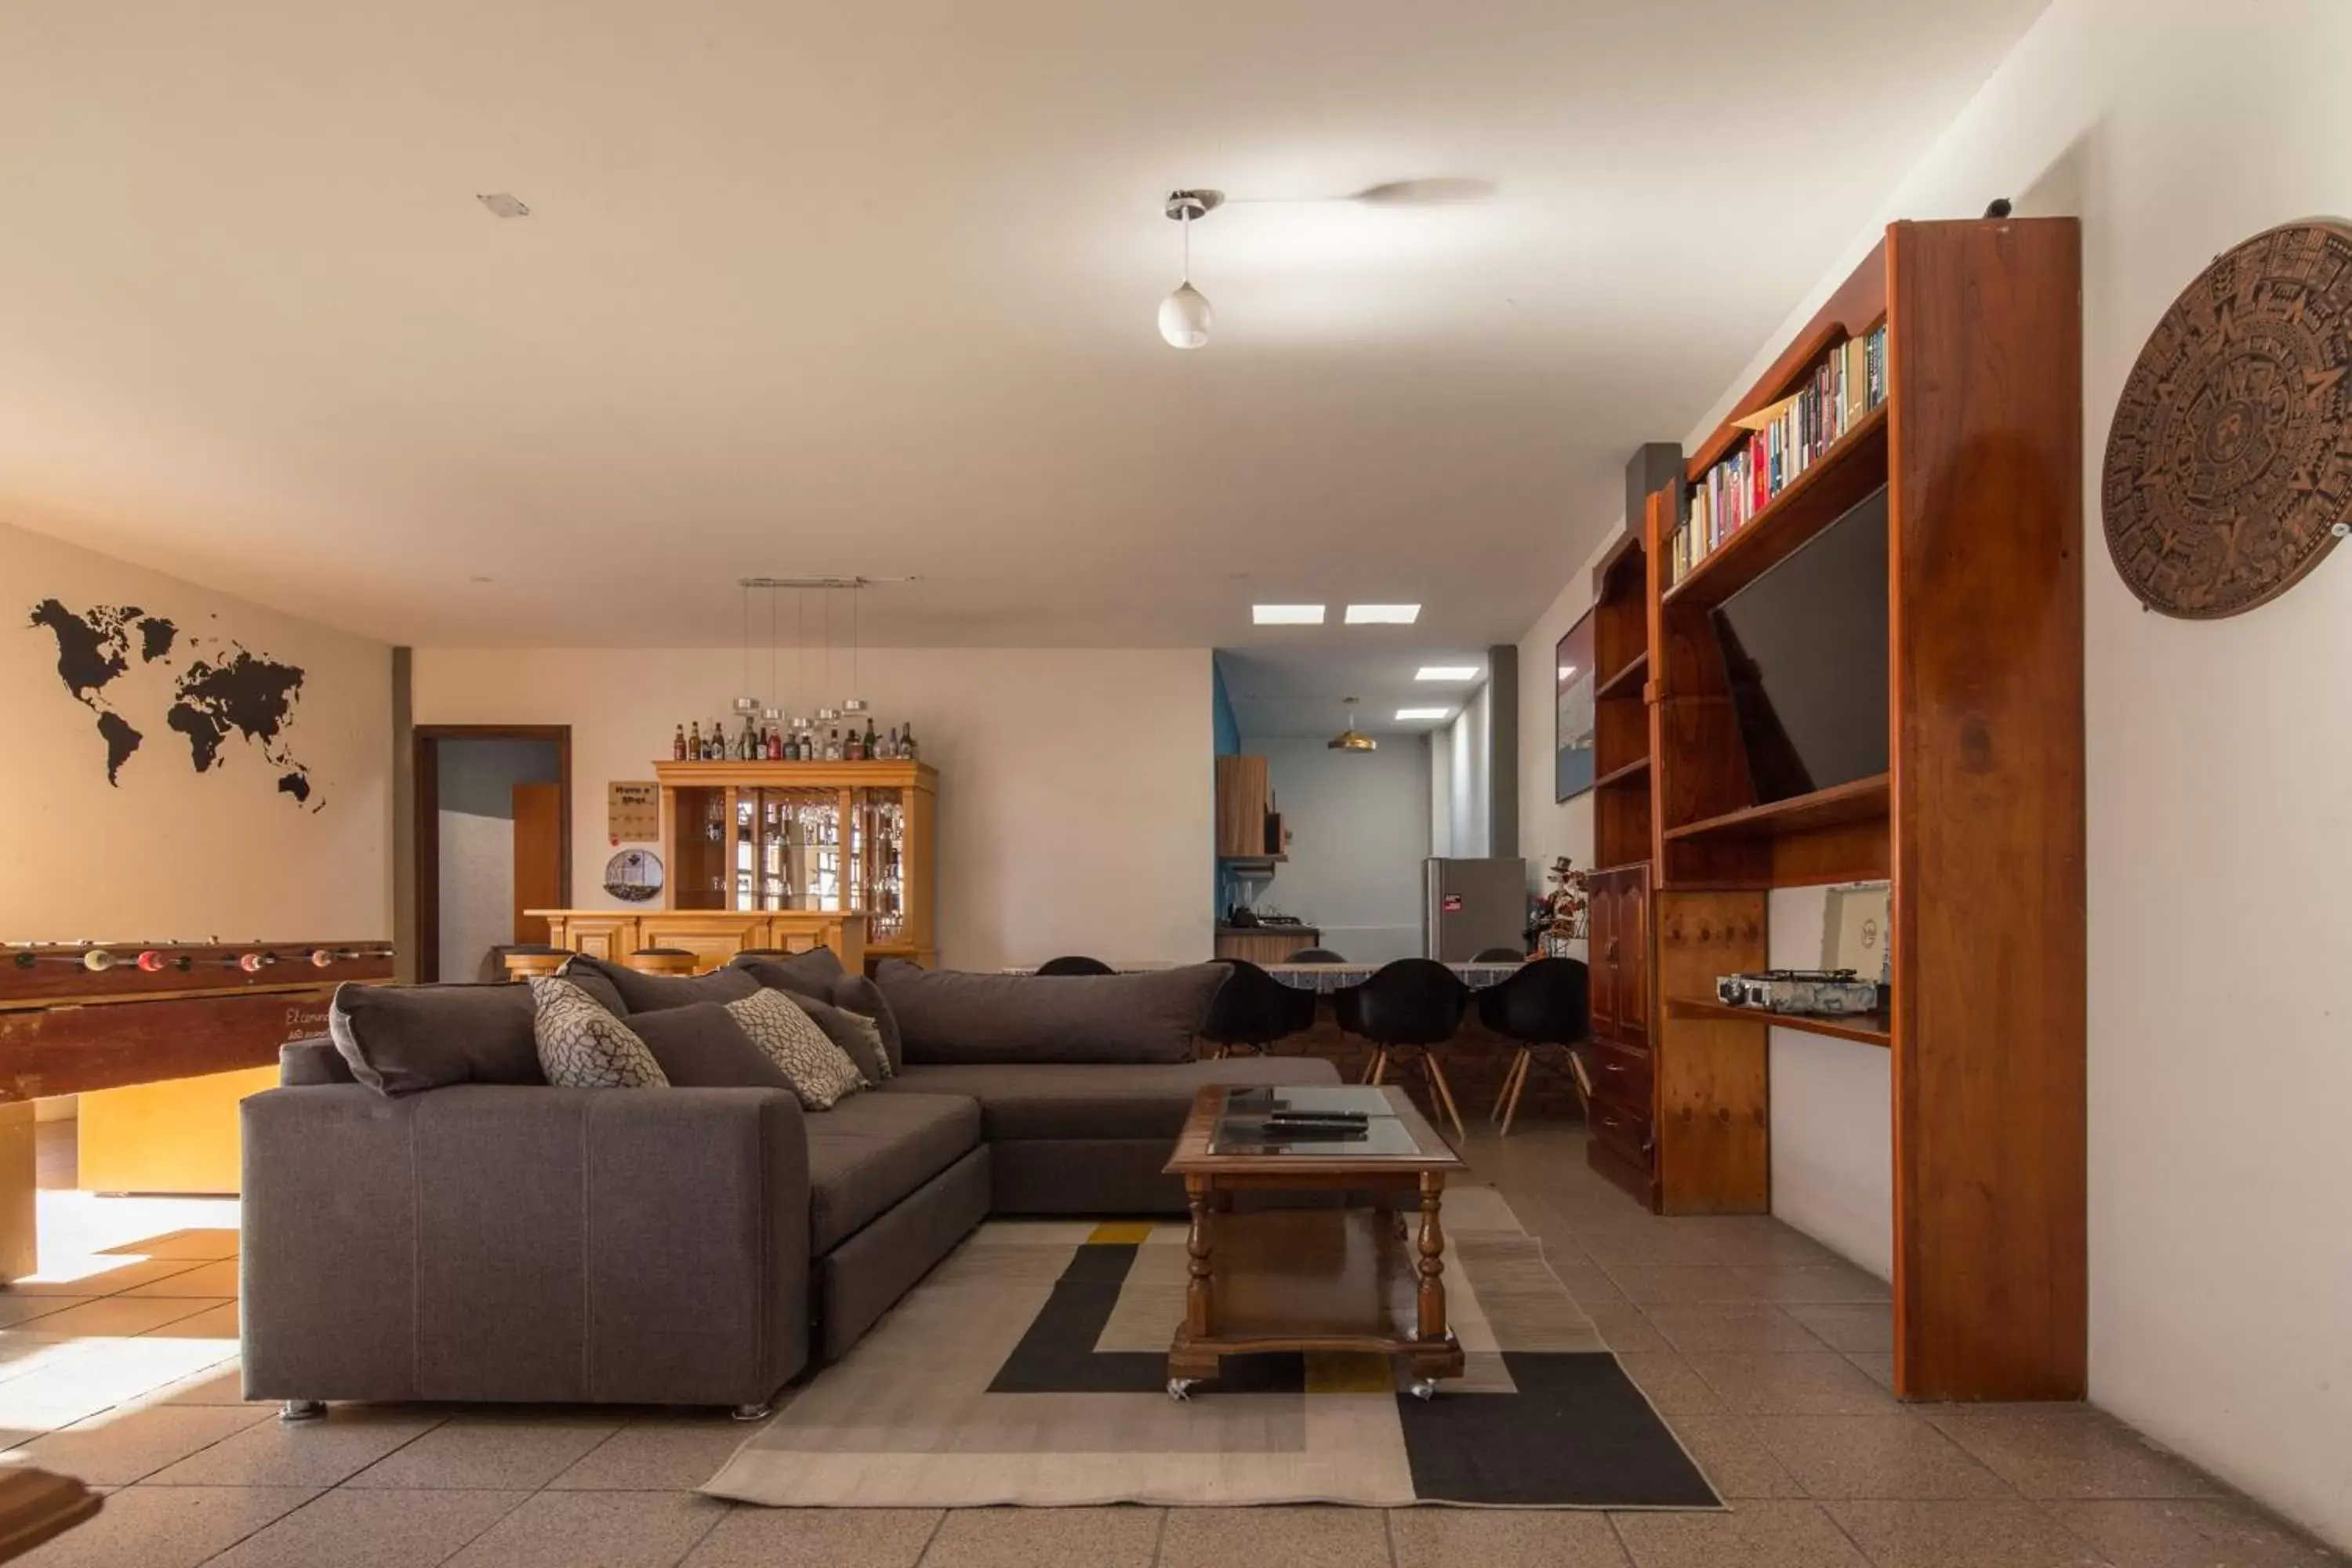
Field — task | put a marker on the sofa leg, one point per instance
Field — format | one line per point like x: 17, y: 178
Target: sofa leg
x: 759, y: 1412
x: 303, y: 1410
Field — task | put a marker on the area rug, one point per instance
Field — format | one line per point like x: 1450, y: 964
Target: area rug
x: 1031, y: 1368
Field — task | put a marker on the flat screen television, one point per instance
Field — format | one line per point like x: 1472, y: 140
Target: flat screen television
x: 1805, y: 649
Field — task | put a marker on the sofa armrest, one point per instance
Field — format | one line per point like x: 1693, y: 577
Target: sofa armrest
x: 494, y: 1242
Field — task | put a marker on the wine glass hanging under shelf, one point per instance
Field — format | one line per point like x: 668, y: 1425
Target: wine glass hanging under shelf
x: 789, y: 855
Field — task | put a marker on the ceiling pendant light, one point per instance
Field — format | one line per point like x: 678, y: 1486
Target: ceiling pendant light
x: 1351, y: 739
x: 853, y: 706
x: 771, y: 716
x: 745, y: 703
x: 824, y: 602
x: 1184, y: 315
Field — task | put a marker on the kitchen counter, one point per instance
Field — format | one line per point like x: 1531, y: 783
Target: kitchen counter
x: 1265, y: 944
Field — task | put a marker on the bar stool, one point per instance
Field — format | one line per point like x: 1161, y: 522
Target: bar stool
x: 526, y: 959
x: 1252, y: 1010
x: 1315, y: 955
x: 1411, y: 1005
x: 1548, y: 1002
x: 661, y: 960
x: 1075, y: 964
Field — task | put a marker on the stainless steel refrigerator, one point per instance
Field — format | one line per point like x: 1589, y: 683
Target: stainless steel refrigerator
x: 1469, y: 906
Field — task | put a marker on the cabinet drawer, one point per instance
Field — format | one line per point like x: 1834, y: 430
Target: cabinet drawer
x: 1620, y: 1074
x: 1624, y: 1132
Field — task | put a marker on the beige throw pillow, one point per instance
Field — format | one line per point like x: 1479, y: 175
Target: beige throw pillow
x: 821, y: 1071
x: 581, y: 1046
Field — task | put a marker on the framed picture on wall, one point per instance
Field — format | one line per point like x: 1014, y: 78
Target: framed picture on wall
x: 1572, y: 712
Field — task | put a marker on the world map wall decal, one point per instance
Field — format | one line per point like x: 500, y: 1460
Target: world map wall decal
x: 218, y: 689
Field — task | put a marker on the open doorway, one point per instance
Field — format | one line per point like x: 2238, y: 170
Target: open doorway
x: 493, y: 839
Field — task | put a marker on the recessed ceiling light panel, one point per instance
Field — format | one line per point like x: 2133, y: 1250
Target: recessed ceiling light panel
x: 1446, y: 672
x: 1286, y: 615
x: 503, y: 203
x: 1410, y: 713
x: 1383, y: 614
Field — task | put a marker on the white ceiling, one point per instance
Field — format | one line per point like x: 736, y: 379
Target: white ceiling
x: 1297, y: 686
x: 870, y: 289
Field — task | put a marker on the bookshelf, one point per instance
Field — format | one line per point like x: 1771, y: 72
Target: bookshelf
x: 1977, y: 822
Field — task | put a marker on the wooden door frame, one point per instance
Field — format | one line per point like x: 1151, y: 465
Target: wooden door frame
x: 428, y: 834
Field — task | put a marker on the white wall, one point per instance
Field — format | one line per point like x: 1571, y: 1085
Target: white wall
x: 2220, y: 831
x: 1550, y: 829
x: 1469, y: 746
x: 1358, y: 827
x: 167, y: 852
x: 1832, y: 1127
x: 1075, y: 784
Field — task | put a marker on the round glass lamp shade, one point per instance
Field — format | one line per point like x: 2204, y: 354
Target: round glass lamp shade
x: 1184, y: 318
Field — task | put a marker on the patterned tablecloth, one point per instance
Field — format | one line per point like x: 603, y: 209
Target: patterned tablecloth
x: 1330, y: 977
x: 1325, y: 977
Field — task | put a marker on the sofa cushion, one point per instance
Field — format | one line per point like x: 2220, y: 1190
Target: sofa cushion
x: 650, y: 992
x: 581, y: 1046
x: 810, y: 974
x: 702, y: 1047
x: 859, y: 1040
x: 946, y: 1015
x: 872, y: 1150
x: 589, y: 976
x: 857, y: 993
x: 818, y: 1070
x: 398, y: 1039
x: 1097, y: 1100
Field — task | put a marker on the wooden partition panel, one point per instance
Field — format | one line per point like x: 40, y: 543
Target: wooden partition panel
x: 1988, y: 1021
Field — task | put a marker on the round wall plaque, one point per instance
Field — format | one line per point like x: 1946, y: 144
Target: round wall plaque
x: 634, y: 875
x: 2228, y: 465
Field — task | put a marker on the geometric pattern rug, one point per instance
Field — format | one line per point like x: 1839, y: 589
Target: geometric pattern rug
x: 1031, y: 1368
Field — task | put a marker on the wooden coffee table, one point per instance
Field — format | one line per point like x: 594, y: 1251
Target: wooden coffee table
x: 1313, y: 1279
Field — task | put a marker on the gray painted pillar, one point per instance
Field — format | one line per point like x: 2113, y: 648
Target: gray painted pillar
x: 1503, y: 750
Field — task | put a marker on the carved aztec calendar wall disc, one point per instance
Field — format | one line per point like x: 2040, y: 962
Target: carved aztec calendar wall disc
x: 2230, y: 463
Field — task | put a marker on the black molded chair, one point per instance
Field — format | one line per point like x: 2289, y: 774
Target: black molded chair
x: 1253, y: 1010
x: 1498, y: 955
x: 1411, y: 1005
x: 1076, y: 964
x: 1315, y: 955
x: 1548, y: 1002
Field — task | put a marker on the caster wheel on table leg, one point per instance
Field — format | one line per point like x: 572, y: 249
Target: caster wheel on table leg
x: 759, y: 1412
x: 1180, y: 1388
x: 1424, y: 1388
x: 303, y: 1410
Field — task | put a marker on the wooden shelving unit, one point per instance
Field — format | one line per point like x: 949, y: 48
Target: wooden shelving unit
x: 1978, y: 820
x: 1864, y: 1028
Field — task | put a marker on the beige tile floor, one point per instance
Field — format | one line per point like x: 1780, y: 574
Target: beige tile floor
x: 1767, y: 1355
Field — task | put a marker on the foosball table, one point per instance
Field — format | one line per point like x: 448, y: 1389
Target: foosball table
x: 159, y: 1040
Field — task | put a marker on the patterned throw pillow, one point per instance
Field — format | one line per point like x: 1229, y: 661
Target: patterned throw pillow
x: 581, y: 1046
x: 820, y: 1070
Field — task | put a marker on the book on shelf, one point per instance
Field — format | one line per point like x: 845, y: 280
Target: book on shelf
x: 1786, y: 439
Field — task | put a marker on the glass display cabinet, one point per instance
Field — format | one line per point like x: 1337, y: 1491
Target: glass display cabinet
x: 786, y: 838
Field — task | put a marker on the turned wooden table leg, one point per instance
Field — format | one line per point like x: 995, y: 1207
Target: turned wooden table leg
x: 1433, y: 1257
x: 1198, y: 1302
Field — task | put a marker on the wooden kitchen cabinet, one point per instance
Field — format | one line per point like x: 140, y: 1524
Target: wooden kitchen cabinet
x: 1244, y: 801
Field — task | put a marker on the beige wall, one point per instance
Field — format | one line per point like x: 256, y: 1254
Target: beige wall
x: 2221, y: 829
x: 168, y: 852
x: 1075, y: 784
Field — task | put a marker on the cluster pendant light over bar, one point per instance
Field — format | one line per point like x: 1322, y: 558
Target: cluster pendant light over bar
x: 1184, y: 315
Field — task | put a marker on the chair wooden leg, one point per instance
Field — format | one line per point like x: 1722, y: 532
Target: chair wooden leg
x: 1380, y: 1068
x: 1519, y: 1088
x: 1510, y: 1080
x: 1443, y: 1092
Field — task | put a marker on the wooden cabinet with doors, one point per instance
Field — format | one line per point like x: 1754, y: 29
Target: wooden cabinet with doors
x: 1618, y: 1059
x: 775, y: 839
x: 1248, y: 829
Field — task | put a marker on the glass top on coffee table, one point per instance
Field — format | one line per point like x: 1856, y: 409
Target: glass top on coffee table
x: 1352, y: 1123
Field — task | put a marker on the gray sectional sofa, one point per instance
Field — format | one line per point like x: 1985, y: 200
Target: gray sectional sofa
x: 426, y: 1219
